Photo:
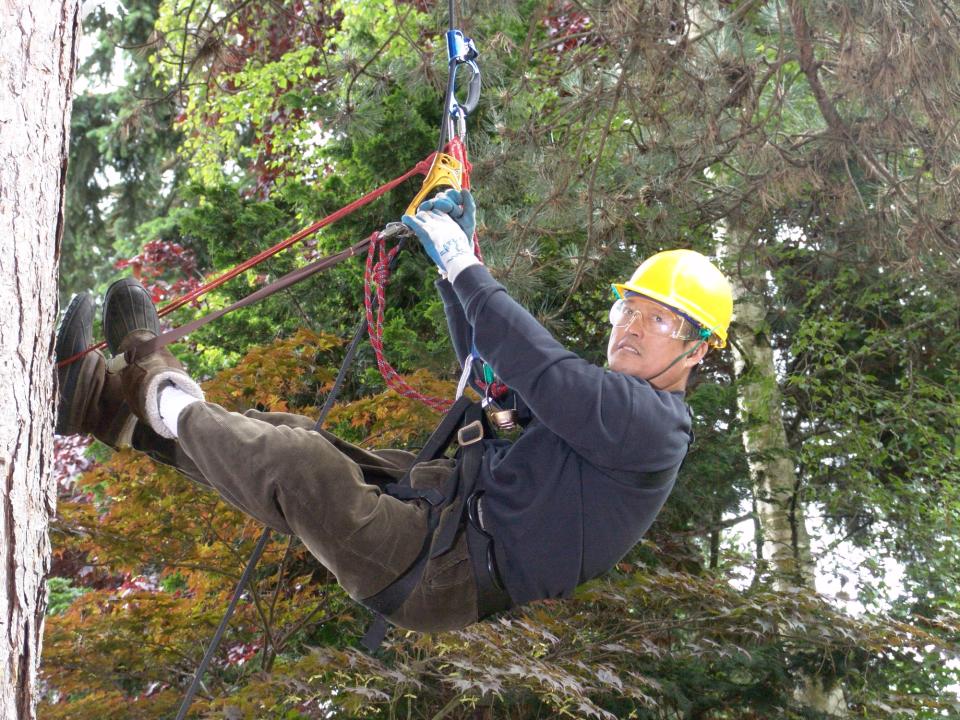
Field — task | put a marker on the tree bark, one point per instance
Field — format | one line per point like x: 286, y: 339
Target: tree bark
x: 784, y: 539
x: 38, y: 44
x: 781, y: 512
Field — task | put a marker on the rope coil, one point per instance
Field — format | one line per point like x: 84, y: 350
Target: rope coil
x: 376, y: 277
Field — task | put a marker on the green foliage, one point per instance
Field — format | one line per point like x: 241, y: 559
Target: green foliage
x: 606, y: 131
x: 61, y: 592
x: 208, y: 145
x: 873, y: 372
x: 122, y: 171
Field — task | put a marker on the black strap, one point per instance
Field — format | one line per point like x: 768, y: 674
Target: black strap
x: 392, y: 597
x: 444, y: 433
x: 491, y: 596
x: 465, y: 420
x: 468, y: 466
x: 405, y: 492
x: 375, y: 635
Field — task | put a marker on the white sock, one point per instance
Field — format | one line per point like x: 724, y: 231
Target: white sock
x: 172, y: 401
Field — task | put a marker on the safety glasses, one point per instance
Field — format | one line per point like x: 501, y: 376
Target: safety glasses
x: 653, y: 318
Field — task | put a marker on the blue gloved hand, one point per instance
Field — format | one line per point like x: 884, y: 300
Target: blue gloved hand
x: 443, y: 239
x: 458, y: 204
x: 423, y: 235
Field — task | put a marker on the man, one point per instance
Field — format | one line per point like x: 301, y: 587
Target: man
x: 597, y: 458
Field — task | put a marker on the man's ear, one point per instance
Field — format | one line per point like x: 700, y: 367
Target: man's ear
x: 697, y: 355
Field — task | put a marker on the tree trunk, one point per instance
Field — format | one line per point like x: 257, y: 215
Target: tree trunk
x: 38, y: 43
x: 784, y: 539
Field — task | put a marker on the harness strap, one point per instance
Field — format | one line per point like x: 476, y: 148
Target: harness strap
x: 467, y: 422
x: 468, y: 470
x: 392, y: 597
x: 491, y: 596
x: 405, y: 492
x: 443, y: 434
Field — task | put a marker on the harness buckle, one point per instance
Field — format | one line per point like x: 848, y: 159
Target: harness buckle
x: 470, y: 434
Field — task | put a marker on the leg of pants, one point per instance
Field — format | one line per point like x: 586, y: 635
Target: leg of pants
x: 274, y: 467
x: 378, y: 466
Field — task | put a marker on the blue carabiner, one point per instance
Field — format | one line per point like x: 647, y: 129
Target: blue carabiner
x: 462, y: 51
x: 460, y: 48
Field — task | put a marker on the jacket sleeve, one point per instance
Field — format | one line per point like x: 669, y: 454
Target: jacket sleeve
x: 461, y: 334
x: 612, y: 419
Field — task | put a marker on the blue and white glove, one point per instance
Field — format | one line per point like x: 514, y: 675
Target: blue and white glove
x: 442, y: 236
x: 458, y: 204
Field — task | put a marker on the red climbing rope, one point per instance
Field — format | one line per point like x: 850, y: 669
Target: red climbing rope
x: 377, y: 274
x: 457, y: 149
x: 375, y: 279
x: 421, y: 168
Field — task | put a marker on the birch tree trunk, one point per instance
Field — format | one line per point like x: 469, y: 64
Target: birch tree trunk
x: 38, y: 43
x: 784, y: 539
x: 786, y: 544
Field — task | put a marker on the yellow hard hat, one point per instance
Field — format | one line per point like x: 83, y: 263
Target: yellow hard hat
x: 689, y: 283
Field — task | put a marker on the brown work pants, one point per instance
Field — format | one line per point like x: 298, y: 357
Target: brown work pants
x: 327, y: 492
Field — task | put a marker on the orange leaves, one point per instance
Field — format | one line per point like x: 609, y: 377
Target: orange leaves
x: 160, y: 557
x: 388, y: 419
x: 276, y: 377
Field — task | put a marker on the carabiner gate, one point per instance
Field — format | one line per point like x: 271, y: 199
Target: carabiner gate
x: 460, y: 51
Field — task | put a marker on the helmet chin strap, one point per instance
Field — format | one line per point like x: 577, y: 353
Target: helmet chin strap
x: 704, y: 335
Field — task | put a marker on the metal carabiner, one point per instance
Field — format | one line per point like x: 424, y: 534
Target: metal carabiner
x: 460, y: 51
x: 459, y: 47
x: 500, y: 418
x: 473, y: 88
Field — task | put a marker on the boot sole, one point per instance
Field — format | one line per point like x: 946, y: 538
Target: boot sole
x: 127, y: 306
x: 74, y: 335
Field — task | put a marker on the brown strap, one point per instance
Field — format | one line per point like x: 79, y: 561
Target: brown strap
x: 291, y: 278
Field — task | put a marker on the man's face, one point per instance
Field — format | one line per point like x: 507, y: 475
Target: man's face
x: 640, y: 348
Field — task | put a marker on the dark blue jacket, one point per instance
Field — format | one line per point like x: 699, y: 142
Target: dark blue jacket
x: 595, y: 463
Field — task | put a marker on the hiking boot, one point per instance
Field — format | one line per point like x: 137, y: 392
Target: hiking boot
x: 90, y: 399
x: 127, y: 306
x: 130, y: 320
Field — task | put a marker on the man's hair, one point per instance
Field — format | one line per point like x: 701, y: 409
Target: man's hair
x: 693, y: 379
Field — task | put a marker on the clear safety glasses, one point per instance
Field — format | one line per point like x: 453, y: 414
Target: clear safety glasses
x: 653, y: 318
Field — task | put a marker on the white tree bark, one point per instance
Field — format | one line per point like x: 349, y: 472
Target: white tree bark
x: 38, y: 43
x: 784, y: 538
x: 786, y: 543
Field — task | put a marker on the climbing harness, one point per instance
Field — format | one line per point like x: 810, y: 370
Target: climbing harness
x: 466, y: 420
x: 465, y: 423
